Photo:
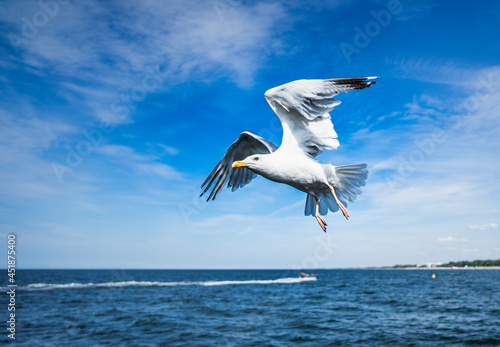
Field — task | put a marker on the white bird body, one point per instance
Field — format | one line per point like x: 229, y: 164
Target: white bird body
x: 303, y: 173
x: 303, y: 108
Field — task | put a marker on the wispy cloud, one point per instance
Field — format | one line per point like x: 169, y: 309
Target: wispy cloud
x: 425, y: 159
x: 483, y: 227
x: 142, y: 164
x: 450, y: 240
x: 23, y: 170
x: 428, y: 69
x: 104, y: 59
x: 110, y: 49
x: 168, y: 72
x: 236, y: 220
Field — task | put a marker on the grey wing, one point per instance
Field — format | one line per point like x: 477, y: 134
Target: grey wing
x: 313, y: 98
x: 303, y: 108
x: 246, y: 145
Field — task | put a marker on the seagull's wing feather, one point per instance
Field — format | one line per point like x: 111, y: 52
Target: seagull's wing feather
x: 302, y: 107
x: 247, y: 144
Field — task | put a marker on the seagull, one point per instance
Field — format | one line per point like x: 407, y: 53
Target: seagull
x: 303, y: 108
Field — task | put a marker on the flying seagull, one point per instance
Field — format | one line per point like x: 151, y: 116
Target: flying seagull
x: 303, y: 108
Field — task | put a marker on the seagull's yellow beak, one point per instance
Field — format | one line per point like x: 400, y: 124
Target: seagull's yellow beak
x: 239, y: 163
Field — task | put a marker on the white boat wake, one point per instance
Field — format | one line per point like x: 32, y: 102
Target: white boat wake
x: 52, y: 286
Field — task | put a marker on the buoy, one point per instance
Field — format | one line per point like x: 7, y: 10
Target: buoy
x: 433, y: 276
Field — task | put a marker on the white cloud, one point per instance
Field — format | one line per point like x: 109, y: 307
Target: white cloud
x: 158, y: 169
x: 427, y: 69
x: 23, y: 171
x: 122, y: 152
x: 450, y: 240
x: 168, y: 149
x: 419, y: 186
x: 287, y: 208
x: 432, y: 161
x: 483, y: 227
x: 236, y: 43
x: 470, y: 250
x: 230, y: 219
x: 112, y: 50
x: 142, y: 164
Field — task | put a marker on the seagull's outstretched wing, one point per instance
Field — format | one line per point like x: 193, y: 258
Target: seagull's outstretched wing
x: 246, y: 145
x: 302, y: 107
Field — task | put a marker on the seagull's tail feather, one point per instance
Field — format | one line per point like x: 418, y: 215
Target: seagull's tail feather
x: 347, y: 181
x: 326, y: 202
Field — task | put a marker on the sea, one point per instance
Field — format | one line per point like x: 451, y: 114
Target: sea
x: 351, y: 307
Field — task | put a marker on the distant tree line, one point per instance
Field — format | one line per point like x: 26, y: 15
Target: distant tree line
x: 475, y: 263
x: 463, y: 263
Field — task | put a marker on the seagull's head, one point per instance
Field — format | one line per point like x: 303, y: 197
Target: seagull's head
x: 258, y: 163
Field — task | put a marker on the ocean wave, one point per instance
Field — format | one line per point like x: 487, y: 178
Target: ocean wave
x: 52, y: 286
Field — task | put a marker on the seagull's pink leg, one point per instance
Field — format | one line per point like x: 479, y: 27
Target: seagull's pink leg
x: 341, y: 205
x: 320, y: 219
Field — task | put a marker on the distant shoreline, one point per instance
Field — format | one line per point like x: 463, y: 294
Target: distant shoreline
x: 437, y: 268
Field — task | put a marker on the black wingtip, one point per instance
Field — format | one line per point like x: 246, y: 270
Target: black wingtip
x: 354, y: 83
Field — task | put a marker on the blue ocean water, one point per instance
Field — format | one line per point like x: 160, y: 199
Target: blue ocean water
x: 255, y: 308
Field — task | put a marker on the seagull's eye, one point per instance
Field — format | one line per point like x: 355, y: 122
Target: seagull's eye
x: 256, y: 159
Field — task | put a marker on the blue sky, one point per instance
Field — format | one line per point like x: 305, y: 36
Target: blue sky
x: 113, y: 113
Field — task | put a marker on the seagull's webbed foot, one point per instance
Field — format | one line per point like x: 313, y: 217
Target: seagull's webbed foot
x: 340, y: 204
x: 321, y: 222
x: 344, y: 211
x: 320, y: 219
